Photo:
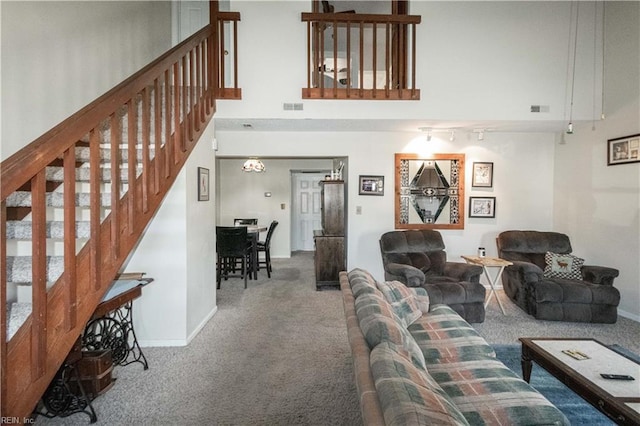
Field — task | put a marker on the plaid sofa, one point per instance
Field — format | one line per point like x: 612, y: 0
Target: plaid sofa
x: 417, y: 363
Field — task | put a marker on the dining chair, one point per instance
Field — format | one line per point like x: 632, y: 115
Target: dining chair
x: 240, y: 222
x: 231, y: 247
x: 265, y: 246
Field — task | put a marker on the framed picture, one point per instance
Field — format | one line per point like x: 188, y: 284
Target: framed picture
x: 482, y: 176
x: 371, y: 185
x: 482, y: 206
x: 623, y: 150
x: 203, y: 184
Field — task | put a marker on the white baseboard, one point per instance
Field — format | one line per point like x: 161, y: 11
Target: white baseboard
x: 179, y: 342
x: 629, y: 315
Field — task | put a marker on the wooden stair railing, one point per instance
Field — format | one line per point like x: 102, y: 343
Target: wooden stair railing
x: 383, y: 46
x: 161, y: 111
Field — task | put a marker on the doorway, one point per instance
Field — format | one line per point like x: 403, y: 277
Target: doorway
x: 305, y: 208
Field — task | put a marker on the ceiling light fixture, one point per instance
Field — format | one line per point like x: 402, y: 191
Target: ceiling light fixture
x: 426, y: 130
x: 253, y: 165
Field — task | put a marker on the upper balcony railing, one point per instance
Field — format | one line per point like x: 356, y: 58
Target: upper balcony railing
x: 361, y: 56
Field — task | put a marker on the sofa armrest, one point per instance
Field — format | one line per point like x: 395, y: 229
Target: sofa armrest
x: 463, y: 271
x: 407, y: 274
x: 525, y: 271
x: 599, y: 274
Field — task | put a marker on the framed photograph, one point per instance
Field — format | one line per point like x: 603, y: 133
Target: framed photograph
x: 623, y: 150
x: 482, y: 176
x: 482, y: 206
x: 203, y: 184
x: 371, y: 185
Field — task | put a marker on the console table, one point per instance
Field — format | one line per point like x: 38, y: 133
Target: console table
x: 111, y: 326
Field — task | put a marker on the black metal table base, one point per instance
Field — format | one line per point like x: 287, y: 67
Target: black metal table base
x: 59, y: 400
x: 115, y: 331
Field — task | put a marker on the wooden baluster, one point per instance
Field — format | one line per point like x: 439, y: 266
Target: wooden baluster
x: 361, y: 59
x: 95, y: 206
x: 168, y: 152
x: 374, y: 59
x: 198, y: 89
x: 38, y: 275
x: 348, y: 60
x: 387, y: 62
x: 116, y: 136
x: 177, y: 136
x: 309, y: 64
x: 70, y: 299
x: 132, y: 160
x: 413, y: 61
x: 183, y: 101
x: 157, y: 133
x: 235, y: 57
x: 3, y: 304
x: 221, y: 63
x: 191, y: 116
x: 146, y: 141
x: 335, y: 59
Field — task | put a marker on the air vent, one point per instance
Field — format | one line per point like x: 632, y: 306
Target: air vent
x: 539, y: 108
x: 292, y: 106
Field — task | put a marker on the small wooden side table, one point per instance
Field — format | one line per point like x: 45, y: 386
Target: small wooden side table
x: 486, y: 263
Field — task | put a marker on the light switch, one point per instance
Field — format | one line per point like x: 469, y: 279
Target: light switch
x: 358, y: 209
x: 282, y: 206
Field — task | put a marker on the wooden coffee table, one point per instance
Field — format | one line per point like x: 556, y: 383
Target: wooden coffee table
x: 618, y: 399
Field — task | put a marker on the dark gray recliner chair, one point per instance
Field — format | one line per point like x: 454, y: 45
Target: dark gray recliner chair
x: 417, y: 259
x: 590, y: 299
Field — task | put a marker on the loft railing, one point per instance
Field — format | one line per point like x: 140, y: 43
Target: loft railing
x: 361, y: 56
x: 149, y: 124
x: 228, y: 55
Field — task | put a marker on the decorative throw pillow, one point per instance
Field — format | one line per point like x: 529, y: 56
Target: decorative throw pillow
x: 562, y: 266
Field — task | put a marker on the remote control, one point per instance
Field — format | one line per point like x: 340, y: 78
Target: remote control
x: 617, y: 376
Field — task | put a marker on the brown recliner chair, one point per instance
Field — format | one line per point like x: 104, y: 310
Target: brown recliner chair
x: 417, y: 259
x: 585, y: 294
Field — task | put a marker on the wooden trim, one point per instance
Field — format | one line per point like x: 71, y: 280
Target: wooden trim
x: 364, y: 94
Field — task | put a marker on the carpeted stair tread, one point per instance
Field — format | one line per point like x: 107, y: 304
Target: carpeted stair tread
x: 19, y: 268
x: 54, y: 199
x: 83, y: 154
x: 83, y: 174
x: 21, y: 229
x: 17, y: 314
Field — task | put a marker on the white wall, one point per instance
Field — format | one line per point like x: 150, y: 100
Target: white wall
x: 479, y: 60
x: 523, y: 181
x: 178, y: 252
x: 596, y: 204
x: 58, y: 56
x: 241, y: 194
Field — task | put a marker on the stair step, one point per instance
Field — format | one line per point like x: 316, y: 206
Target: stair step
x: 17, y: 314
x: 19, y: 268
x: 54, y: 199
x: 21, y: 229
x: 83, y: 174
x: 82, y: 154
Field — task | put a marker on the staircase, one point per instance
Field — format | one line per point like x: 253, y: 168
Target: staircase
x: 75, y: 202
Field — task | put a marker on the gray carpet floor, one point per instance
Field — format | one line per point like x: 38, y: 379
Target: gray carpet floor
x: 277, y: 354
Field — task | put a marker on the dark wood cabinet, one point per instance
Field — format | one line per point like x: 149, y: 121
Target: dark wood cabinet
x: 330, y: 250
x: 329, y: 259
x: 332, y: 206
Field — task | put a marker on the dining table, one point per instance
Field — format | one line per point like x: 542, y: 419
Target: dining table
x: 253, y: 231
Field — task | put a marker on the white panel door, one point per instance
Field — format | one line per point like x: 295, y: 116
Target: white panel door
x: 306, y: 209
x: 191, y: 16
